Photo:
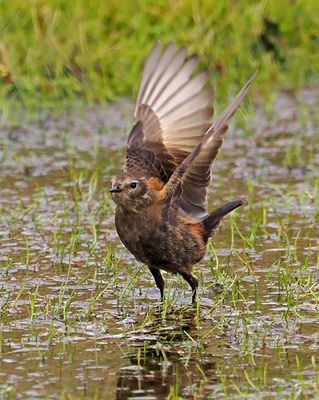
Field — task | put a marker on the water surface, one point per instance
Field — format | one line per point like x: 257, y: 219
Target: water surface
x: 80, y: 318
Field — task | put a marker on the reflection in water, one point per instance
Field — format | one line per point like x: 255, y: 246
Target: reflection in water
x: 157, y: 366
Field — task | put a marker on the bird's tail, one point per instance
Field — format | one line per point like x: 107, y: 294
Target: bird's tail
x: 212, y: 221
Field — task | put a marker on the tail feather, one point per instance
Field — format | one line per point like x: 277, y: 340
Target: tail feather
x: 212, y: 221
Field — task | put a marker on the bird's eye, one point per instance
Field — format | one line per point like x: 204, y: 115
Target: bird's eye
x: 133, y: 185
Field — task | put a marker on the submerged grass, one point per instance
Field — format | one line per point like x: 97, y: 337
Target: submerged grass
x: 53, y: 52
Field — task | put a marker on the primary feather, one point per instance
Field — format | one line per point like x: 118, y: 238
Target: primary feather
x: 172, y: 112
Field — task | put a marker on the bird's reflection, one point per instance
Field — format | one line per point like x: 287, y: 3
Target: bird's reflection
x: 157, y: 366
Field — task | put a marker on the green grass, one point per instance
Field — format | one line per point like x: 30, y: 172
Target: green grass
x: 55, y: 52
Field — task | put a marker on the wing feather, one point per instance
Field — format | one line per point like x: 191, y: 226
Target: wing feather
x: 158, y: 74
x: 172, y: 109
x: 149, y: 67
x: 193, y: 200
x: 174, y: 85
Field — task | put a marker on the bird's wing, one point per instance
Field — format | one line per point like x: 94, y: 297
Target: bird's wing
x: 172, y: 113
x: 188, y: 184
x: 194, y: 182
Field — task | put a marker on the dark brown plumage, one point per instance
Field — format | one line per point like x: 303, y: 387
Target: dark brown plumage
x: 161, y: 197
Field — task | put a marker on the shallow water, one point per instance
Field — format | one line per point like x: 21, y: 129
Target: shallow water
x: 80, y: 318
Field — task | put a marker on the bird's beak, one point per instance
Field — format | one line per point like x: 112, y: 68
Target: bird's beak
x: 115, y: 189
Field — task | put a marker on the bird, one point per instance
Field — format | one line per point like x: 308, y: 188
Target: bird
x: 161, y: 213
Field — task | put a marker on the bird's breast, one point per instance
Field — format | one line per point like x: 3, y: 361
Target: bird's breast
x: 136, y: 230
x: 158, y: 243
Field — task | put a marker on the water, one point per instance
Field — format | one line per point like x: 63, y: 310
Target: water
x: 80, y: 318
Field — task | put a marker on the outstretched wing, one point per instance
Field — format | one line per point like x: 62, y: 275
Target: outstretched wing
x: 193, y: 198
x: 172, y: 113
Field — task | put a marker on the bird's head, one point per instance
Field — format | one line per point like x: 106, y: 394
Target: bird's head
x: 131, y: 192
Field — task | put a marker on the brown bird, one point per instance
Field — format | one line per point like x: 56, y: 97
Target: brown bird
x: 161, y: 197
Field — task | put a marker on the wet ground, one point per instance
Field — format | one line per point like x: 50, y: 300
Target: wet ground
x: 80, y: 318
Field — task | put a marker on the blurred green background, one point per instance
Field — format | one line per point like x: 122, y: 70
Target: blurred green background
x: 53, y: 52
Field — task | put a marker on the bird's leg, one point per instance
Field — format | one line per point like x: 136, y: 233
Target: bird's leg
x: 193, y: 282
x: 158, y: 279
